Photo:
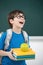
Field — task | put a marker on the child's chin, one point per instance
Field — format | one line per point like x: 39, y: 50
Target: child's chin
x: 21, y: 26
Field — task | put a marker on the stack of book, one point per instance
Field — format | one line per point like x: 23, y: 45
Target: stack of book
x: 20, y: 55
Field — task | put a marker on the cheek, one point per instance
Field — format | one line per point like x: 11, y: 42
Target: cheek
x: 16, y: 22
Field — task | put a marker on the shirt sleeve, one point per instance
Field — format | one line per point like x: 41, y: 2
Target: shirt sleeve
x: 2, y: 39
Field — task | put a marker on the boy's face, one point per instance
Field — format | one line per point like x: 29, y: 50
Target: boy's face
x: 18, y: 21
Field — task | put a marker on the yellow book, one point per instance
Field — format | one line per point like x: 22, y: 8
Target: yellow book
x: 20, y: 55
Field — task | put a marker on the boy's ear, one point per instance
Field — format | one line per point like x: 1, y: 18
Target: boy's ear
x: 11, y: 21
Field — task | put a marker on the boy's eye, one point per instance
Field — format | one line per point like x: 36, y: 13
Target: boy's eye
x: 20, y: 17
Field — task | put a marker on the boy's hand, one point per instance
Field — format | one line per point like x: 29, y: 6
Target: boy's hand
x: 11, y: 56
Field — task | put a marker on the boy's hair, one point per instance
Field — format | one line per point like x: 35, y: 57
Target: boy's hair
x: 13, y: 14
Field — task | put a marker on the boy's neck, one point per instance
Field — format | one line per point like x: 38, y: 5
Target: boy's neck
x: 17, y: 30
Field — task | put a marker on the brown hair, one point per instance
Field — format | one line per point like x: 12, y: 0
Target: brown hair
x: 12, y: 14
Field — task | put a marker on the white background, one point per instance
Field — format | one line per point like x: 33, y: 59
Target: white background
x: 36, y: 43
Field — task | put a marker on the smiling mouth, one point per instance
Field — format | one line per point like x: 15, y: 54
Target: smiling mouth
x: 21, y: 22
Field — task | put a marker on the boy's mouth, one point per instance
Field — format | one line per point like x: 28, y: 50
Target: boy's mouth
x: 21, y: 22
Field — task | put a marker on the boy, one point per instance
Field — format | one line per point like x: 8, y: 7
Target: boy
x: 16, y: 20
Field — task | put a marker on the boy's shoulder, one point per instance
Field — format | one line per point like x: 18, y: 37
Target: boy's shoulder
x: 3, y: 34
x: 6, y: 36
x: 8, y: 32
